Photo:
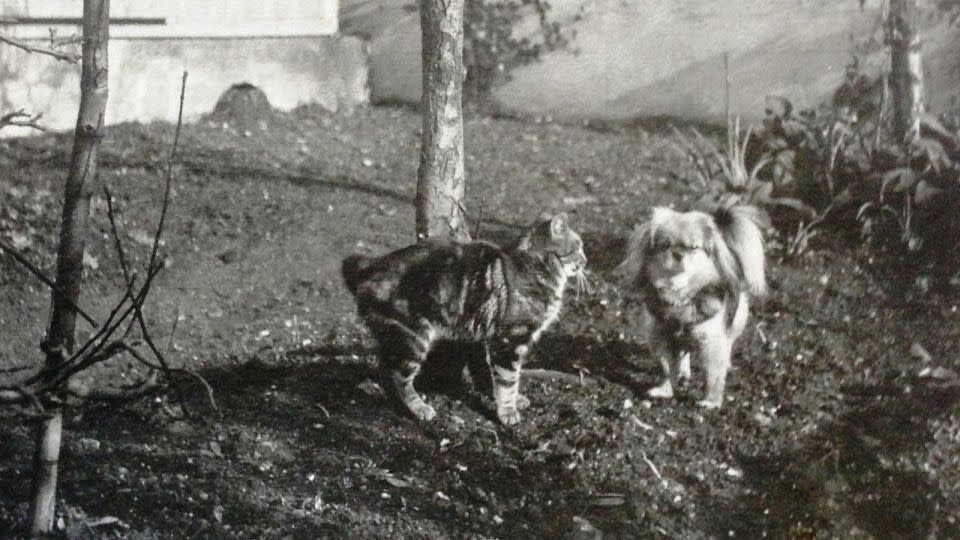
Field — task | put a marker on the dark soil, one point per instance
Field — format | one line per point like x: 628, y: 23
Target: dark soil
x: 836, y: 425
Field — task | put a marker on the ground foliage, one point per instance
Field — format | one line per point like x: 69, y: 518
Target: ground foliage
x: 842, y: 158
x: 842, y: 420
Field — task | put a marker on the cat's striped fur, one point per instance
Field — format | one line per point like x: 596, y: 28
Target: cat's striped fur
x: 472, y: 291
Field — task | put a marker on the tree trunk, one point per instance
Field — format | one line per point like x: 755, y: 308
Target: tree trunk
x: 906, y: 68
x: 59, y: 341
x: 440, y: 178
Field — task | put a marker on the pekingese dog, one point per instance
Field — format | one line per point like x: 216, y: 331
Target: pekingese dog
x: 697, y: 272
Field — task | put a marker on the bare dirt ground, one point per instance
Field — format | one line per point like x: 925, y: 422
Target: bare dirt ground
x: 833, y: 427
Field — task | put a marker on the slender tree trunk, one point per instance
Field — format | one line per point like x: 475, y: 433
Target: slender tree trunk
x: 440, y: 179
x: 906, y: 68
x: 59, y: 341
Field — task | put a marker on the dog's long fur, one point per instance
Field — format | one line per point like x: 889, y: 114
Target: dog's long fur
x: 698, y: 271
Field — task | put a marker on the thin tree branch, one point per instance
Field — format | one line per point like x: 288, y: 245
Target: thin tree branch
x: 140, y: 358
x: 64, y: 56
x: 42, y: 277
x: 101, y: 347
x: 169, y: 176
x: 21, y: 118
x: 137, y: 306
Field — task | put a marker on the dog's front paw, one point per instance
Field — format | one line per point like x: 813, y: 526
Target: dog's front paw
x: 509, y: 416
x: 663, y: 390
x: 710, y: 403
x: 422, y: 411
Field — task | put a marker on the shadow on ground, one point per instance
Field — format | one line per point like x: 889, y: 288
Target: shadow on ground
x: 859, y: 470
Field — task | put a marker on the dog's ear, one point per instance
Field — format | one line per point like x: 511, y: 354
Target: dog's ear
x: 637, y: 244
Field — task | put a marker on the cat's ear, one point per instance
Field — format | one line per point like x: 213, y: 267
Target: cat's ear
x: 558, y: 225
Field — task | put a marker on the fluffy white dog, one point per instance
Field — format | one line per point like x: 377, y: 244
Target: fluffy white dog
x: 698, y: 272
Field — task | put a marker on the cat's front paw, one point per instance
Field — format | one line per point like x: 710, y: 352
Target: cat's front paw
x: 522, y: 402
x: 509, y: 416
x: 422, y: 411
x: 663, y: 390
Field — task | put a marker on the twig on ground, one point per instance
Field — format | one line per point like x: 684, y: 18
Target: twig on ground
x: 140, y: 358
x: 549, y: 374
x: 650, y: 464
x: 324, y: 409
x: 493, y: 432
x: 640, y: 422
x: 79, y: 389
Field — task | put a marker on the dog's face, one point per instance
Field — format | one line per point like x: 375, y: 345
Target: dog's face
x: 679, y: 262
x: 674, y: 252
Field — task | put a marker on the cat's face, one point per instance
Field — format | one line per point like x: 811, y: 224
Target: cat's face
x: 553, y: 235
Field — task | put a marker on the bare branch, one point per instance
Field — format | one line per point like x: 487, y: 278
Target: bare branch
x: 140, y: 358
x: 64, y: 56
x: 102, y: 345
x: 22, y: 118
x: 169, y: 176
x: 42, y: 277
x: 206, y: 385
x: 15, y: 369
x: 137, y: 305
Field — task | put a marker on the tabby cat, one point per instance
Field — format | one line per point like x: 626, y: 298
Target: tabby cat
x: 467, y: 291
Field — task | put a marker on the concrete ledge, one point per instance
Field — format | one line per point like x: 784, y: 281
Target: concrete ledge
x: 145, y: 77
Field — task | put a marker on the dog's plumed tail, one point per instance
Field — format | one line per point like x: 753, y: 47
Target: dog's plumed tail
x: 742, y: 260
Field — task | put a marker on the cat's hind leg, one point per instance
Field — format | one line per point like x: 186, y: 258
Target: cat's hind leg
x: 403, y: 352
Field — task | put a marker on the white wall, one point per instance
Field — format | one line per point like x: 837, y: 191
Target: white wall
x: 184, y: 18
x: 288, y: 48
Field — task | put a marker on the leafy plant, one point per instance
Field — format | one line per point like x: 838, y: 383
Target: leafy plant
x: 492, y: 46
x: 839, y: 155
x: 811, y: 150
x: 725, y: 176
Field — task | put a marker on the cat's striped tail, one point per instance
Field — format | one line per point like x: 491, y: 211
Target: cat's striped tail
x: 353, y: 269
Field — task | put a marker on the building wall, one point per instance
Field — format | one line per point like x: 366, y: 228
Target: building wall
x: 180, y: 18
x: 288, y: 48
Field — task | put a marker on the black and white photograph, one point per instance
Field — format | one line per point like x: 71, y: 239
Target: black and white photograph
x: 479, y: 269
